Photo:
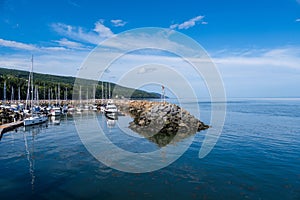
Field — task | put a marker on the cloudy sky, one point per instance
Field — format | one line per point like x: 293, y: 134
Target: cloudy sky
x: 254, y: 44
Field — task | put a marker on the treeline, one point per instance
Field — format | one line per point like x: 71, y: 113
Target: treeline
x: 49, y: 86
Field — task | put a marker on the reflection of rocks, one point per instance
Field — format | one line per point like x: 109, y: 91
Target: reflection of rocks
x: 162, y: 123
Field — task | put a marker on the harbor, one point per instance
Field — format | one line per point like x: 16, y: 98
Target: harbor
x: 166, y: 116
x: 37, y: 108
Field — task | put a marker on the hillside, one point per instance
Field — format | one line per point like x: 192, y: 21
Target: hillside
x: 48, y: 86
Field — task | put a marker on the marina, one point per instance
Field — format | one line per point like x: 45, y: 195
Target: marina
x: 149, y: 100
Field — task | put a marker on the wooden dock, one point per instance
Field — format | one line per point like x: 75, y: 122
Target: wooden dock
x: 9, y: 126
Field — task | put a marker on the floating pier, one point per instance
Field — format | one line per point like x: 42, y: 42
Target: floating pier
x: 9, y: 126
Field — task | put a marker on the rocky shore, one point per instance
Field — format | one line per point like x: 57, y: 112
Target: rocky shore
x: 161, y: 123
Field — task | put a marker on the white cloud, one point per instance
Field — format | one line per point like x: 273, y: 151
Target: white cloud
x: 118, y: 22
x: 288, y: 57
x: 53, y: 48
x: 75, y: 33
x: 189, y: 23
x: 98, y: 34
x: 102, y: 30
x: 70, y: 44
x: 48, y: 59
x: 17, y: 45
x: 64, y: 45
x: 260, y: 72
x: 144, y: 70
x: 298, y: 20
x: 173, y: 26
x: 59, y: 61
x: 62, y: 56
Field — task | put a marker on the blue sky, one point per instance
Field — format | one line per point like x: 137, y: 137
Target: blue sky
x: 255, y: 44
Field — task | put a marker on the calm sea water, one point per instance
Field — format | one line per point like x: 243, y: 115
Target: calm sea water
x: 256, y: 157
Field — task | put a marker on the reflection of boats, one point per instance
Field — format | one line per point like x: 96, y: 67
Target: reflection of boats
x: 55, y: 120
x: 35, y: 129
x: 110, y: 122
x: 30, y: 159
x: 112, y: 116
x: 111, y: 119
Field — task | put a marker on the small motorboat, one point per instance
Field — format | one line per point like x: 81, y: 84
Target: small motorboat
x: 111, y: 109
x: 55, y: 111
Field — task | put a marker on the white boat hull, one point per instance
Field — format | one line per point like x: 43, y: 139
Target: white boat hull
x: 55, y: 113
x: 111, y: 109
x: 34, y: 120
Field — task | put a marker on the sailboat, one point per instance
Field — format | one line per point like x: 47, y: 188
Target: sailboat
x: 94, y: 106
x: 79, y: 107
x: 35, y: 118
x: 55, y: 110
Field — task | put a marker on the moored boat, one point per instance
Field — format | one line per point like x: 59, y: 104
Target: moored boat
x: 35, y: 119
x: 111, y: 109
x: 55, y: 111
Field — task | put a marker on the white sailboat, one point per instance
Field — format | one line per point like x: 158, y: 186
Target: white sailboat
x: 35, y: 118
x: 79, y: 107
x: 55, y: 110
x: 110, y: 107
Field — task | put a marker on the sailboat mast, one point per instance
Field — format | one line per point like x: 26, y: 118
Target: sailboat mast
x: 58, y: 92
x: 87, y: 95
x: 55, y: 95
x: 4, y: 92
x: 109, y: 90
x: 102, y: 90
x: 44, y: 92
x: 28, y: 85
x: 19, y: 94
x: 94, y: 93
x: 66, y: 95
x: 80, y: 94
x: 36, y: 93
x: 12, y: 97
x: 49, y: 96
x: 31, y: 71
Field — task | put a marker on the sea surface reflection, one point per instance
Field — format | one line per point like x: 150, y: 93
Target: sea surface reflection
x: 256, y: 157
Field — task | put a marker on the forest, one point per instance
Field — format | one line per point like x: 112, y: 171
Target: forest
x: 62, y: 87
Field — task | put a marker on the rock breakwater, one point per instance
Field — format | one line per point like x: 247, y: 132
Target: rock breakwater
x: 161, y: 123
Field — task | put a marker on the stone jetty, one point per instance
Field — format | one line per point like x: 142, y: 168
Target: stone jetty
x: 162, y: 123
